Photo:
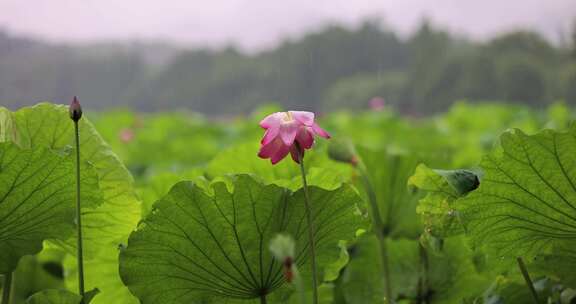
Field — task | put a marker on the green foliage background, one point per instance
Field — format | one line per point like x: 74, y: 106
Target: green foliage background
x: 439, y: 235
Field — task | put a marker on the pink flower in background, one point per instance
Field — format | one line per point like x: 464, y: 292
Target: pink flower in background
x: 126, y: 135
x: 377, y: 103
x: 288, y: 132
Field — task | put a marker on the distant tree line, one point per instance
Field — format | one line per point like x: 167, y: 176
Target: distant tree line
x: 332, y: 68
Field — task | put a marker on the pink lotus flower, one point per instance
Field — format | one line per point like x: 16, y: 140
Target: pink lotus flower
x: 291, y: 131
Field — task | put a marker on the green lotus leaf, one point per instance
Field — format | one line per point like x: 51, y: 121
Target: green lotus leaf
x: 322, y: 171
x: 417, y: 275
x: 155, y: 186
x: 37, y: 199
x: 48, y: 125
x: 513, y: 290
x: 558, y: 264
x: 54, y: 296
x: 208, y: 246
x: 389, y: 171
x: 443, y: 188
x: 59, y: 296
x: 103, y: 275
x: 526, y: 204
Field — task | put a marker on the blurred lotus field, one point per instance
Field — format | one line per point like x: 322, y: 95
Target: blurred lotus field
x: 180, y: 141
x: 432, y: 259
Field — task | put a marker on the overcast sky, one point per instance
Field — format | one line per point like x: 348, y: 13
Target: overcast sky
x: 260, y: 23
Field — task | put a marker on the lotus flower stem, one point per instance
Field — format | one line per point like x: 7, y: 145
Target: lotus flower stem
x: 423, y: 292
x: 527, y: 278
x: 310, y: 226
x: 293, y: 132
x: 75, y: 111
x: 7, y: 288
x: 378, y: 227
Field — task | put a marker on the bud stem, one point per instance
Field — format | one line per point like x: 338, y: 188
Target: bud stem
x: 299, y: 286
x: 526, y: 276
x: 310, y: 226
x: 79, y: 215
x: 7, y: 288
x: 378, y: 227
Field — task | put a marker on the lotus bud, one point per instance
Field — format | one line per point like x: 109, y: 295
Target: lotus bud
x: 461, y: 180
x: 282, y: 247
x: 342, y: 150
x: 75, y: 110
